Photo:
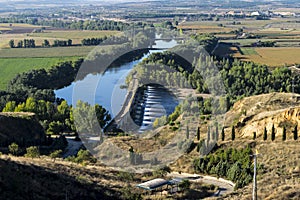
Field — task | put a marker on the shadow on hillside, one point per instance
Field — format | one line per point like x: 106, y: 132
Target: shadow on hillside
x: 19, y: 181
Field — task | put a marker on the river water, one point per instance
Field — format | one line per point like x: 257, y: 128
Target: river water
x: 108, y: 92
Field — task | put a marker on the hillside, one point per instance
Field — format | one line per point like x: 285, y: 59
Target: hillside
x: 41, y: 178
x: 278, y: 174
x: 22, y: 128
x: 253, y: 114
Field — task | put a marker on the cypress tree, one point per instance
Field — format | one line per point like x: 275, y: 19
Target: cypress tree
x: 232, y: 133
x: 187, y: 132
x: 198, y: 133
x: 265, y: 137
x: 273, y: 133
x: 284, y: 134
x: 223, y: 134
x: 208, y: 134
x: 254, y: 135
x: 217, y: 132
x: 295, y: 132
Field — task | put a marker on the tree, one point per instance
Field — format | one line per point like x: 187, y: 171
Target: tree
x: 13, y: 149
x: 198, y: 133
x: 69, y: 42
x: 55, y: 127
x: 10, y: 106
x: 56, y: 154
x: 217, y: 132
x: 187, y: 132
x: 265, y: 136
x: 284, y: 134
x: 273, y: 133
x: 185, y: 185
x: 254, y: 135
x: 46, y: 43
x: 232, y: 133
x: 32, y: 152
x: 295, y: 132
x: 223, y: 134
x: 20, y: 44
x: 208, y: 135
x: 11, y: 44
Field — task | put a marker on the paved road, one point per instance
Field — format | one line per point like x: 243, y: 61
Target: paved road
x: 224, y: 186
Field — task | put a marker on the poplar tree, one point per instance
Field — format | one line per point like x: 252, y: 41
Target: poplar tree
x: 265, y: 136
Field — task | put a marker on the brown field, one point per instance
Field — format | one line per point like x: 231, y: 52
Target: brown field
x: 204, y: 27
x: 25, y: 31
x: 273, y: 57
x: 75, y: 36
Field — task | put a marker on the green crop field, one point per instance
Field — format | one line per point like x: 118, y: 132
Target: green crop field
x: 10, y: 67
x: 249, y: 51
x: 46, y: 52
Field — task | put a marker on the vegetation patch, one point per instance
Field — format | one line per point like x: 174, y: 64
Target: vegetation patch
x: 10, y: 67
x: 233, y: 164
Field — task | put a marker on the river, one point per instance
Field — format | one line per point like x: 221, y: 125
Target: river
x: 109, y: 92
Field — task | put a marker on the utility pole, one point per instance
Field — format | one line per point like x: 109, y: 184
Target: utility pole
x: 254, y: 192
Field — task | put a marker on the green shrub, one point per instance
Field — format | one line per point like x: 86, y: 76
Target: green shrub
x: 13, y: 149
x: 55, y: 154
x: 32, y: 152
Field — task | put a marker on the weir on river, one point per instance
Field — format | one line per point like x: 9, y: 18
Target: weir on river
x: 118, y: 100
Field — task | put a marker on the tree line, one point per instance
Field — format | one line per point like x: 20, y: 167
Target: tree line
x: 59, y: 117
x: 233, y: 164
x: 26, y: 43
x: 95, y: 24
x: 30, y: 43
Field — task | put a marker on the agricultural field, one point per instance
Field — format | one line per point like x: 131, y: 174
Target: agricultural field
x: 46, y: 52
x: 273, y: 57
x: 248, y: 25
x: 18, y: 60
x: 26, y: 31
x: 201, y: 27
x: 70, y: 34
x: 10, y: 67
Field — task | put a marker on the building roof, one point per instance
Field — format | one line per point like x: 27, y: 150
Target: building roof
x: 153, y: 184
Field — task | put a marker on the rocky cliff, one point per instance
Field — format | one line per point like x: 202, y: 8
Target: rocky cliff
x: 253, y: 114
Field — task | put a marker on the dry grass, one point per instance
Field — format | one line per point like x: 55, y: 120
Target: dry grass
x: 75, y: 35
x: 96, y: 177
x: 20, y: 25
x: 279, y: 177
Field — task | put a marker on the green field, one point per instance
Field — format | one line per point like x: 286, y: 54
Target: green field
x: 10, y: 67
x: 46, y: 52
x: 249, y: 51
